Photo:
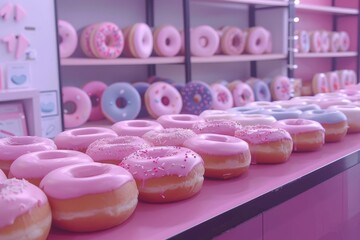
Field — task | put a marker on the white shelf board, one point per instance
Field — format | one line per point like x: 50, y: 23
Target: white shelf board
x: 18, y: 94
x: 251, y: 2
x: 120, y: 61
x: 327, y: 9
x: 239, y: 58
x: 325, y: 55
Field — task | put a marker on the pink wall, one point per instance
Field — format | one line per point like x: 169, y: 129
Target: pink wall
x: 323, y: 21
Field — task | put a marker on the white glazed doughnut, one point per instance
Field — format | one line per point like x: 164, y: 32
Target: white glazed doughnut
x: 325, y: 40
x: 303, y: 41
x: 232, y: 41
x: 316, y: 42
x: 335, y: 42
x: 257, y: 40
x: 68, y: 39
x: 167, y: 41
x: 204, y: 41
x: 344, y: 41
x: 139, y: 40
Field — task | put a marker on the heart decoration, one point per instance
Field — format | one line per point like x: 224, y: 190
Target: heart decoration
x: 47, y: 107
x: 19, y: 79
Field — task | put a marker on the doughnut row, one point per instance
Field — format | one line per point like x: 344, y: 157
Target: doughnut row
x: 333, y: 81
x: 321, y: 41
x: 123, y: 101
x: 107, y: 40
x: 90, y: 179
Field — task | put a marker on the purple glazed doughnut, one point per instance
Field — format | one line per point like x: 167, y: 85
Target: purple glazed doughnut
x: 141, y: 87
x: 197, y: 97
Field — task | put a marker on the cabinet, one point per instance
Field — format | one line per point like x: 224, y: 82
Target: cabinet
x: 34, y: 62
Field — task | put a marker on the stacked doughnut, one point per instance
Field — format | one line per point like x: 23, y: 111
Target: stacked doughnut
x: 333, y: 81
x: 322, y: 41
x: 205, y: 41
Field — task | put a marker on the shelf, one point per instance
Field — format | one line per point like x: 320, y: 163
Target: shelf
x: 18, y: 94
x: 168, y: 60
x: 120, y: 61
x: 240, y: 58
x: 251, y: 2
x: 221, y: 204
x: 327, y: 9
x: 325, y: 55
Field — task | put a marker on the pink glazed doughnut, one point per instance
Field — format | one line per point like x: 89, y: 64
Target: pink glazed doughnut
x: 43, y: 162
x: 223, y: 98
x: 232, y: 41
x: 307, y: 135
x: 224, y: 157
x: 68, y: 39
x: 344, y: 41
x: 135, y: 127
x: 242, y: 93
x: 77, y: 106
x: 94, y: 90
x: 257, y: 40
x: 335, y: 42
x: 316, y: 42
x: 168, y: 136
x: 113, y: 150
x: 179, y: 120
x: 162, y: 98
x: 140, y: 40
x: 217, y: 126
x: 320, y: 83
x: 90, y: 196
x: 333, y: 81
x: 268, y: 145
x: 25, y: 211
x: 107, y: 41
x: 79, y: 139
x: 85, y: 40
x: 166, y: 174
x: 13, y: 147
x: 204, y: 41
x: 167, y: 41
x: 280, y: 88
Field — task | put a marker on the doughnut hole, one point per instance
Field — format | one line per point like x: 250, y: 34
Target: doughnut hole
x: 167, y: 41
x: 138, y: 124
x: 236, y: 41
x: 89, y: 171
x: 87, y: 131
x: 171, y: 188
x: 109, y: 41
x: 203, y: 42
x: 197, y: 98
x: 165, y: 100
x: 70, y: 107
x: 121, y: 102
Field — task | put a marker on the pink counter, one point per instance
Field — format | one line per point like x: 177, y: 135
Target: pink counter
x: 222, y: 205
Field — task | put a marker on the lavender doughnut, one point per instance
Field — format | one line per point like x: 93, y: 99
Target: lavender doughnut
x: 197, y: 97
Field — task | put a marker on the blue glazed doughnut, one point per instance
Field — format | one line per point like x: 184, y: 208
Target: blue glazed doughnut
x: 141, y: 87
x: 282, y: 113
x: 260, y: 89
x: 120, y: 101
x: 246, y: 110
x: 197, y: 97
